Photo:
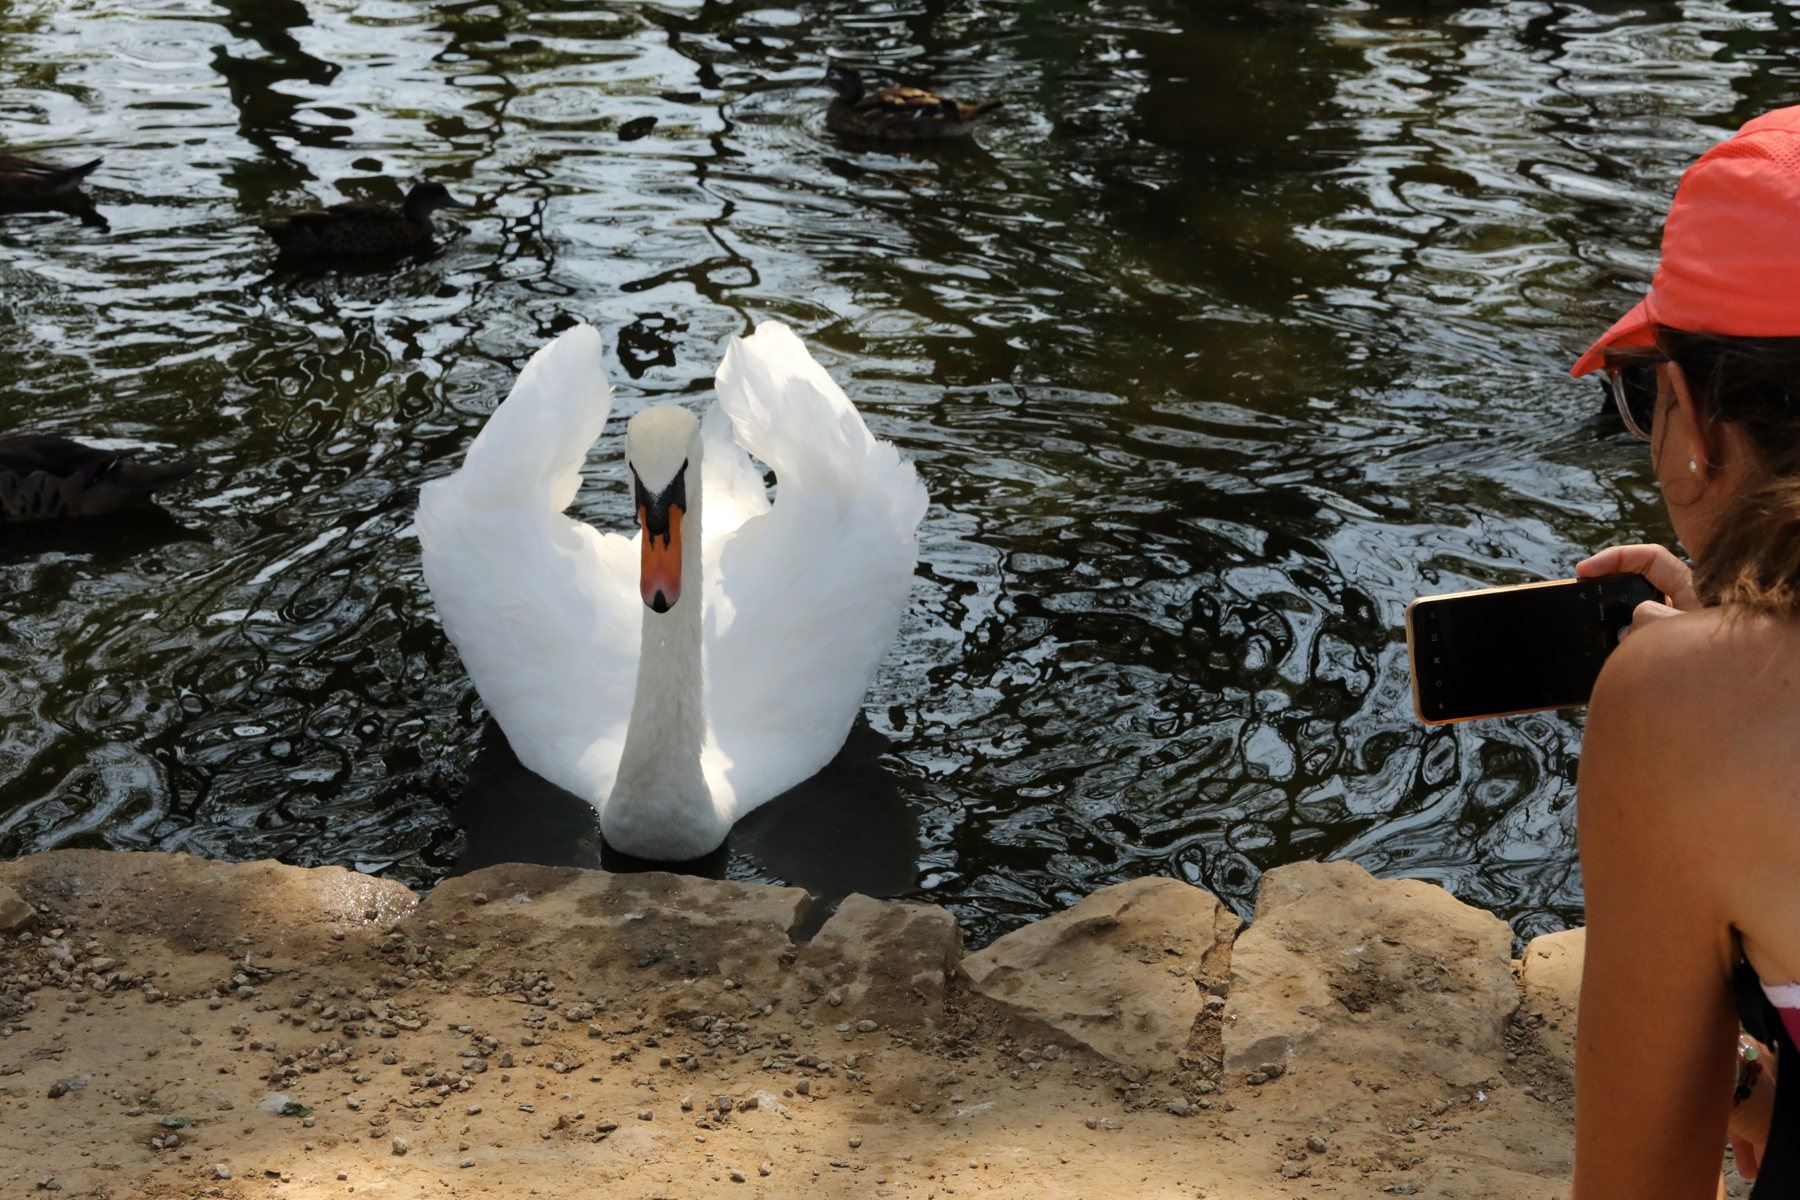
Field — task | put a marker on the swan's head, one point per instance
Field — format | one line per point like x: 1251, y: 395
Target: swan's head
x: 660, y: 443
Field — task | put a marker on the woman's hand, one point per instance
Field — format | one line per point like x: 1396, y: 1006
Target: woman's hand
x: 1668, y: 574
x: 1749, y: 1125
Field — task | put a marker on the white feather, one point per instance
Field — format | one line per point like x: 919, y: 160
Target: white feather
x: 802, y: 597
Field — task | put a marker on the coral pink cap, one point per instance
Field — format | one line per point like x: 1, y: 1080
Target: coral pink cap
x: 1731, y: 245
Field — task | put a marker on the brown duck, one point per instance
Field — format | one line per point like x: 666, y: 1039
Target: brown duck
x: 896, y: 113
x: 46, y: 478
x: 362, y: 227
x: 23, y: 181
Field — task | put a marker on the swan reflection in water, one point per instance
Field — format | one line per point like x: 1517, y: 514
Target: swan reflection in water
x: 847, y: 829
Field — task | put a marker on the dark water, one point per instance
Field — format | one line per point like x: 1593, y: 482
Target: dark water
x: 1240, y: 325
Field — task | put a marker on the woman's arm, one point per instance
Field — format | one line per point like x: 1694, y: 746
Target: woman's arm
x: 1654, y: 1049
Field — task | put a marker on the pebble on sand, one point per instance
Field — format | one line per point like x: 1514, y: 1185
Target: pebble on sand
x: 401, y: 1146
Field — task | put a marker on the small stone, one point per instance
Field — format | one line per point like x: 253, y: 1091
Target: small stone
x: 15, y: 914
x: 1091, y: 1122
x: 474, y: 1110
x: 855, y: 1143
x: 388, y: 1059
x: 729, y: 985
x: 803, y: 1087
x: 687, y: 1104
x: 400, y: 1146
x: 835, y: 999
x: 370, y: 914
x: 737, y: 1177
x: 1178, y: 1107
x: 644, y: 1114
x: 866, y: 1027
x: 843, y: 1029
x: 221, y: 1171
x: 1273, y: 1070
x: 1316, y: 1144
x: 765, y: 1169
x: 480, y: 897
x: 467, y: 1162
x: 723, y: 1104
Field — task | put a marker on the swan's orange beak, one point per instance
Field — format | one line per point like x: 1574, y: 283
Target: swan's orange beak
x: 661, y: 576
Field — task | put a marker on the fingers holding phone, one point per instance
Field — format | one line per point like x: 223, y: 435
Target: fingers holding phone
x: 1672, y: 577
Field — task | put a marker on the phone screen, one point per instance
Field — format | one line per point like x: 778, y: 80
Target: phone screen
x: 1516, y: 649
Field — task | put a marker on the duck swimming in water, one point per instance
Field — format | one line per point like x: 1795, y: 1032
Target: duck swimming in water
x: 896, y: 113
x: 48, y: 478
x: 362, y: 227
x: 23, y: 181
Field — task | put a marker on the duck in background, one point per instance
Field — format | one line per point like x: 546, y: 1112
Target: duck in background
x: 24, y: 181
x: 362, y: 228
x: 49, y: 478
x: 901, y: 114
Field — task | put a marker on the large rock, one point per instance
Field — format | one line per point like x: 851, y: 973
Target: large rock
x: 883, y: 960
x: 1391, y: 971
x: 611, y: 935
x: 1124, y: 973
x: 1551, y: 975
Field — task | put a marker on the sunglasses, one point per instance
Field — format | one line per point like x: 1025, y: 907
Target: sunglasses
x: 1633, y: 389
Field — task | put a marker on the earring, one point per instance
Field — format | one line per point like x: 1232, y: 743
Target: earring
x: 1693, y: 465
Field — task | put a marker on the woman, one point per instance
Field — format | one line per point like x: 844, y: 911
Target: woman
x: 1689, y: 799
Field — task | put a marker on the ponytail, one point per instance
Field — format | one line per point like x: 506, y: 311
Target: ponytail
x: 1753, y: 558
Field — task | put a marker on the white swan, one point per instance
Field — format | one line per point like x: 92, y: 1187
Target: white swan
x: 675, y: 682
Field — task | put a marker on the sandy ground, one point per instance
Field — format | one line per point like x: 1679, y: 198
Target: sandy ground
x: 480, y: 1043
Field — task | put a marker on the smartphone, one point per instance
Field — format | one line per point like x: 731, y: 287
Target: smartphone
x: 1501, y: 651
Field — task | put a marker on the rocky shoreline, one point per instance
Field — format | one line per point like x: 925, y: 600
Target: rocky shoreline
x: 173, y: 1026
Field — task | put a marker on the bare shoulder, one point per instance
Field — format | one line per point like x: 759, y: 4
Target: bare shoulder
x: 1700, y: 704
x: 1735, y: 658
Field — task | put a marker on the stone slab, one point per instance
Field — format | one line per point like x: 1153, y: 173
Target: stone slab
x: 883, y: 960
x: 1123, y: 974
x: 1423, y: 980
x: 1550, y: 973
x: 610, y: 934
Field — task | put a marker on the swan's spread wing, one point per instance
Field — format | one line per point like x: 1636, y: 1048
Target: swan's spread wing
x: 804, y: 600
x: 732, y: 488
x: 543, y: 609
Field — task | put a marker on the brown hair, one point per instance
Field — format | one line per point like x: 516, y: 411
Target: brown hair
x: 1753, y: 559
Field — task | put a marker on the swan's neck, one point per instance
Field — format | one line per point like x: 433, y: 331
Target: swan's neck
x: 661, y: 806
